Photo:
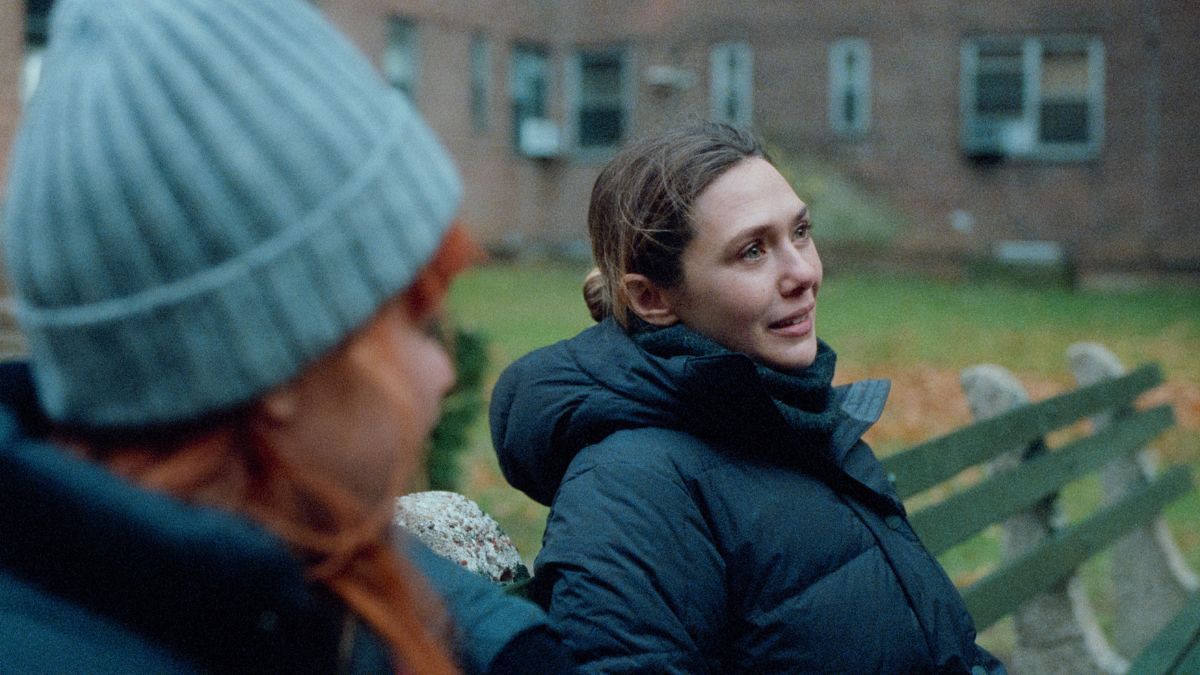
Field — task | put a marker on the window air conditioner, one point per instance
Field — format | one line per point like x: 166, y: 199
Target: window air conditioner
x: 1000, y: 137
x: 669, y: 78
x: 539, y: 138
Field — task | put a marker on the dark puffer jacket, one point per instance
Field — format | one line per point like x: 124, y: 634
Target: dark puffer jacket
x: 694, y: 528
x: 100, y: 576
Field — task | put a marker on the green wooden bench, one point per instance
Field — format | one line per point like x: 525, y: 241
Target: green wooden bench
x: 1020, y: 472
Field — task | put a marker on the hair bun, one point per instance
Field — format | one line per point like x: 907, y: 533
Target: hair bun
x: 595, y: 294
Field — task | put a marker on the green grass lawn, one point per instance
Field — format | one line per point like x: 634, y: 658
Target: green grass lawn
x: 917, y: 332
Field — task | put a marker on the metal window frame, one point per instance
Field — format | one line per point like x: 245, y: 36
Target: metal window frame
x: 720, y: 88
x: 481, y: 64
x: 860, y: 88
x: 1025, y: 142
x: 404, y: 38
x: 573, y: 86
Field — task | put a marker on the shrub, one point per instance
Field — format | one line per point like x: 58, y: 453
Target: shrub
x: 459, y: 411
x: 845, y: 212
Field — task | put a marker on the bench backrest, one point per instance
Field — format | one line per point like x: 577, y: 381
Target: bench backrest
x: 1034, y: 479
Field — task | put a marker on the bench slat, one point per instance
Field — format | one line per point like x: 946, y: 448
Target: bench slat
x: 928, y: 464
x: 1177, y: 646
x: 1054, y: 559
x: 1189, y: 664
x: 956, y: 518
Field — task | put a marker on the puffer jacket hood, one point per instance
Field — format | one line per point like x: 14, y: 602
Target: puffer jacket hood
x: 574, y: 393
x: 555, y: 401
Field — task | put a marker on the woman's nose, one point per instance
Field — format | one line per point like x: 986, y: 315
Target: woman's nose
x: 800, y: 269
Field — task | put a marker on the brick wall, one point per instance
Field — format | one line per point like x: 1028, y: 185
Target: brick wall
x: 1131, y: 207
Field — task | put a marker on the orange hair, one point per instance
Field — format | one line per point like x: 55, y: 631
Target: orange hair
x: 457, y: 252
x: 344, y: 543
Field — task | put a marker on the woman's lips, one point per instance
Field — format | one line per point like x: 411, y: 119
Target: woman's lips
x: 796, y: 325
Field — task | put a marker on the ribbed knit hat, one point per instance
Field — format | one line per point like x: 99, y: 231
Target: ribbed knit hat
x: 205, y: 197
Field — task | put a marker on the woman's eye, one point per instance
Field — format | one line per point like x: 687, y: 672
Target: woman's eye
x: 803, y: 230
x: 752, y: 252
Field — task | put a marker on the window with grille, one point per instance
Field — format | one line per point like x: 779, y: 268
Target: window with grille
x: 400, y: 55
x: 850, y: 86
x: 37, y: 19
x: 1039, y: 98
x: 731, y: 83
x: 601, y: 105
x: 481, y: 79
x: 529, y: 90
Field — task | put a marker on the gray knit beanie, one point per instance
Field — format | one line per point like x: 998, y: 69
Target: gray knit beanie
x: 205, y: 197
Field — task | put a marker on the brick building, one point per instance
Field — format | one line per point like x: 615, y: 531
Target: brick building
x: 1030, y: 126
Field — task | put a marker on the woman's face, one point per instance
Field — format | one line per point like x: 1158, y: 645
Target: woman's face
x: 751, y: 273
x: 362, y: 415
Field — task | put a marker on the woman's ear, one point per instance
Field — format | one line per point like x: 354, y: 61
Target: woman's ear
x: 648, y: 300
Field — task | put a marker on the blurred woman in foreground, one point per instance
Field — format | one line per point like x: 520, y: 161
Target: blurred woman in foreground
x: 227, y: 240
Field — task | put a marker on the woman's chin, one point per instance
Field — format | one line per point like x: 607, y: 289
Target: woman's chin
x: 794, y: 357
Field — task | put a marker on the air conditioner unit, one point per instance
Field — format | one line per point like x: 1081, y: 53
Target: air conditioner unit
x: 669, y: 78
x: 539, y: 137
x: 1001, y: 137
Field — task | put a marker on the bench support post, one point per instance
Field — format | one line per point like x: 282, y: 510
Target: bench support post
x: 1151, y: 578
x: 1056, y: 632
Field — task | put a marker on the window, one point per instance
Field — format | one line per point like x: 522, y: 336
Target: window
x: 37, y: 19
x: 1033, y: 97
x: 850, y: 86
x: 731, y: 81
x: 400, y: 56
x: 529, y: 86
x: 600, y: 98
x: 481, y: 79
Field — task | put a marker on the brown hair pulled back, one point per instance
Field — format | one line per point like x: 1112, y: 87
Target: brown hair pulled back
x: 640, y: 216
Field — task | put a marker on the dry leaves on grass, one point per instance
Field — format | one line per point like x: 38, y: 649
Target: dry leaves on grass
x: 1184, y: 396
x: 927, y: 401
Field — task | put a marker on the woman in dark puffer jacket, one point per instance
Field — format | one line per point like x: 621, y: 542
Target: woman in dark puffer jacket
x: 713, y: 507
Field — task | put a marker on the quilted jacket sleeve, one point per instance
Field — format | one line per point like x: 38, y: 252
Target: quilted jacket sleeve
x: 629, y: 571
x: 488, y: 619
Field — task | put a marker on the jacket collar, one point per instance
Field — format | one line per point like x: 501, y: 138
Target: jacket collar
x: 206, y: 582
x: 756, y: 425
x: 553, y: 402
